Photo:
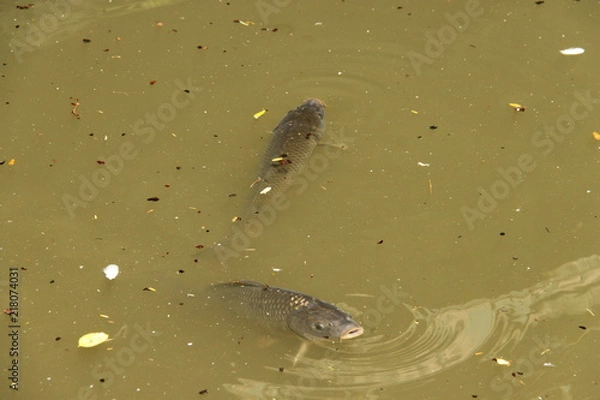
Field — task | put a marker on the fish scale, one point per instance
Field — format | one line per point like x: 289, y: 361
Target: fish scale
x: 271, y: 306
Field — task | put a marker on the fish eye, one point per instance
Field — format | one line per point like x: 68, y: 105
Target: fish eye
x: 319, y: 326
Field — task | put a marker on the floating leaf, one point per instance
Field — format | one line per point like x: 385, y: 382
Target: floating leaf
x: 92, y: 339
x: 260, y: 113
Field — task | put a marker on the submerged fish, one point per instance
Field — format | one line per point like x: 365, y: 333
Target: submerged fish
x: 285, y: 310
x: 292, y: 143
x: 288, y: 152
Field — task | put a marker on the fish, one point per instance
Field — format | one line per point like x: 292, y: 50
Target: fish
x: 286, y: 155
x: 283, y: 310
x: 283, y: 161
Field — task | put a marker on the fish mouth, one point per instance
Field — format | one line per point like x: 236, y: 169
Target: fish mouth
x: 352, y: 333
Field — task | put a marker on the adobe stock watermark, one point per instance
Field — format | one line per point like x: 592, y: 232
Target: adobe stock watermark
x: 241, y: 238
x: 436, y: 44
x: 512, y: 379
x: 54, y: 12
x: 544, y: 139
x: 145, y: 129
x: 265, y: 8
x: 387, y: 302
x: 115, y: 364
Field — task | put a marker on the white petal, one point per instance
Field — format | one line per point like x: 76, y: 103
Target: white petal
x: 111, y: 271
x: 572, y: 51
x: 92, y: 339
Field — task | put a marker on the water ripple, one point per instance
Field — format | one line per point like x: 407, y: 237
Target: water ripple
x: 436, y: 341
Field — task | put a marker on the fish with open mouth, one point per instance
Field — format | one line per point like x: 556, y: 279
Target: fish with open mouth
x: 285, y: 310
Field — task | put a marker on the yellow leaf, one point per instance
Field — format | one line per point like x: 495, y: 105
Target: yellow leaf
x: 517, y: 107
x: 260, y: 113
x: 92, y: 339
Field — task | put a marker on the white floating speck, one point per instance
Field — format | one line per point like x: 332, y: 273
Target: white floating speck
x: 111, y: 271
x: 572, y: 51
x: 266, y: 190
x: 422, y: 164
x: 276, y: 269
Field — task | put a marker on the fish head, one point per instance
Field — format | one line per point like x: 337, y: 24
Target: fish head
x: 323, y: 321
x: 311, y: 113
x: 316, y: 105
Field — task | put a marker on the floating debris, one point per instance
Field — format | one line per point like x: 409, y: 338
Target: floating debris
x: 245, y: 23
x: 587, y: 309
x: 517, y: 107
x: 92, y: 339
x: 111, y: 271
x: 75, y: 104
x: 260, y: 113
x: 501, y: 361
x: 572, y: 51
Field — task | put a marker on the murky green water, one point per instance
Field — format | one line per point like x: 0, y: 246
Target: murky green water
x: 455, y: 229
